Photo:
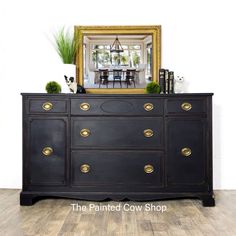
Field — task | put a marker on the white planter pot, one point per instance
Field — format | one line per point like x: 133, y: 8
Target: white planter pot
x: 70, y: 71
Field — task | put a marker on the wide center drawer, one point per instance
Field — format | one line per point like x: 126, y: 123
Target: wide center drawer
x: 117, y: 169
x: 117, y: 132
x: 121, y: 106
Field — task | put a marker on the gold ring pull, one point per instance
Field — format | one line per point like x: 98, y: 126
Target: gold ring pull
x: 85, y: 133
x: 186, y: 152
x: 84, y: 106
x: 186, y: 106
x: 148, y: 133
x: 85, y: 168
x: 47, y: 151
x: 47, y: 106
x: 148, y: 106
x: 148, y: 169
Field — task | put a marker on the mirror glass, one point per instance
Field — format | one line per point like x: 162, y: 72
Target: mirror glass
x: 117, y: 61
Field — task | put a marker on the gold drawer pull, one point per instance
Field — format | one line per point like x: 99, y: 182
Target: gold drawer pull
x: 47, y: 151
x: 47, y: 106
x: 85, y: 168
x: 148, y: 133
x: 186, y: 152
x: 84, y: 106
x: 186, y: 106
x: 148, y: 106
x: 85, y: 133
x: 148, y: 169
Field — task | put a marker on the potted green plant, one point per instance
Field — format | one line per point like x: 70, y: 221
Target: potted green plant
x: 153, y: 87
x: 53, y: 87
x: 66, y: 46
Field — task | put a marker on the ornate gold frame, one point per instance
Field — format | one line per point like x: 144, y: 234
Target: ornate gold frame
x: 154, y: 30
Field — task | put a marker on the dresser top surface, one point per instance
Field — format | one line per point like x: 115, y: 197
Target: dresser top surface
x: 120, y: 95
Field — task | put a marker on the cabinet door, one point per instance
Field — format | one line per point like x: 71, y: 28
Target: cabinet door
x: 47, y: 151
x: 186, y: 151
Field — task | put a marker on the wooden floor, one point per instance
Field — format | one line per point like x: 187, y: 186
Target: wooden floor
x: 56, y: 217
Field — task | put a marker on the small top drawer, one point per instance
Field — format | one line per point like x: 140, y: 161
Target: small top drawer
x: 47, y: 106
x: 185, y: 106
x: 121, y: 106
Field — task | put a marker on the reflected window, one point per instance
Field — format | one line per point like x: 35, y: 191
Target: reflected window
x: 149, y: 60
x: 102, y: 57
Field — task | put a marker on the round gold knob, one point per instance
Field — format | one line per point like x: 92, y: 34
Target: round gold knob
x: 47, y: 151
x: 148, y: 106
x: 85, y: 133
x: 148, y: 169
x: 186, y: 152
x: 148, y: 133
x: 47, y: 106
x: 85, y: 168
x: 84, y: 106
x: 186, y: 106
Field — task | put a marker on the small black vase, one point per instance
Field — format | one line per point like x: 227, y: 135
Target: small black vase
x: 80, y: 89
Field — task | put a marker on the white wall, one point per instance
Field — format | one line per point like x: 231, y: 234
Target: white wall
x: 198, y: 42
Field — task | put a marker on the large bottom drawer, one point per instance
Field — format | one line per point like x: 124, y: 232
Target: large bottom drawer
x: 118, y: 169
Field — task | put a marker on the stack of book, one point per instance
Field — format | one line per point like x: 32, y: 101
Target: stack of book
x: 166, y: 81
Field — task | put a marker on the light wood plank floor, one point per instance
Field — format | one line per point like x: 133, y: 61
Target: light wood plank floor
x: 56, y: 217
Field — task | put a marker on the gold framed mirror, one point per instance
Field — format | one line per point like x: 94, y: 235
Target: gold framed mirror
x: 117, y: 59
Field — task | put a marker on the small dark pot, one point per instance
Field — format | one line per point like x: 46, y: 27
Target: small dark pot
x: 80, y: 89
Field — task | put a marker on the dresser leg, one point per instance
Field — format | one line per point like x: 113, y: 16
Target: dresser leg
x: 208, y: 201
x: 26, y: 199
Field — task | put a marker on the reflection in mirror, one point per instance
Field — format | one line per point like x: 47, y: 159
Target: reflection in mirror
x: 117, y: 61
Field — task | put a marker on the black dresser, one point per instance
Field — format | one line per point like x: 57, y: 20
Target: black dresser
x: 138, y: 147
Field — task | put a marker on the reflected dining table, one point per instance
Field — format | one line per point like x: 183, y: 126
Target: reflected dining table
x: 110, y: 71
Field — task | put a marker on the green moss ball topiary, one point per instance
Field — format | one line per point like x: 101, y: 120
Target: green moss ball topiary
x: 153, y: 87
x: 53, y: 87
